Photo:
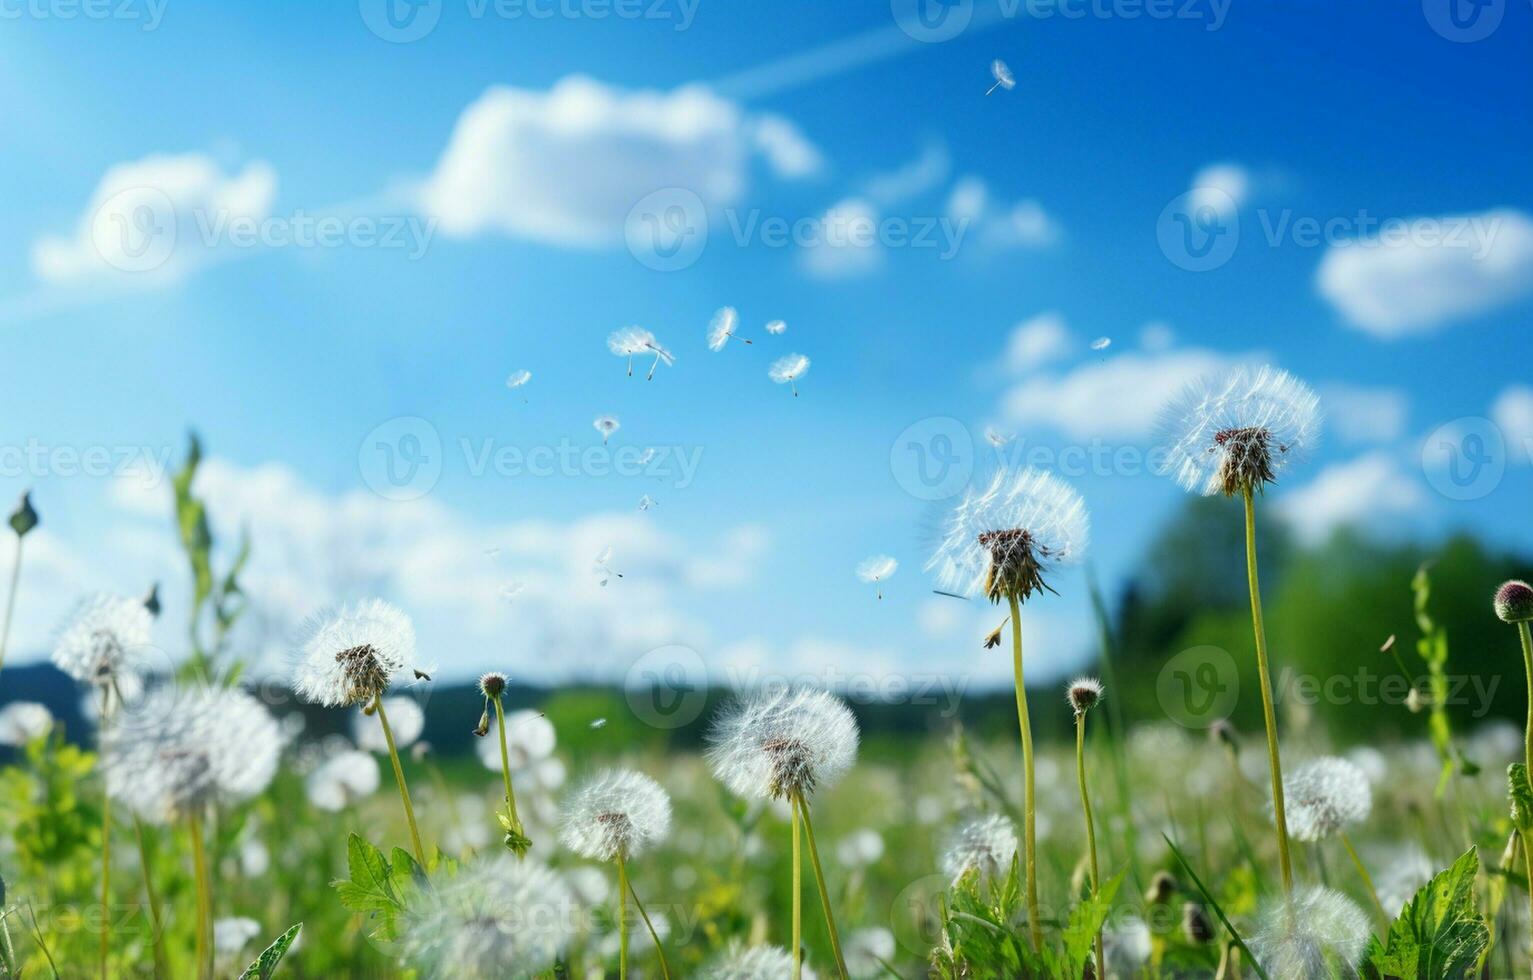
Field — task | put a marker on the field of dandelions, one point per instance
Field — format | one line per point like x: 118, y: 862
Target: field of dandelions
x: 194, y: 830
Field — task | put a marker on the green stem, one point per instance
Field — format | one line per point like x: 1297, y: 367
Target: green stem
x: 42, y: 944
x: 1526, y: 634
x: 505, y: 771
x: 10, y: 602
x: 399, y: 777
x: 819, y: 879
x: 1029, y: 818
x: 1362, y: 872
x: 1091, y: 834
x: 1279, y: 817
x: 665, y: 968
x: 622, y: 919
x: 204, y: 898
x: 798, y: 889
x: 161, y: 962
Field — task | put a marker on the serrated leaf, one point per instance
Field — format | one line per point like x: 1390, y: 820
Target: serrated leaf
x: 1085, y: 922
x: 1439, y: 933
x: 369, y: 888
x: 266, y: 964
x: 404, y: 871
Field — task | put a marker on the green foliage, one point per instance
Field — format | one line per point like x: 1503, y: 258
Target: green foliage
x: 1433, y: 648
x: 1439, y: 933
x: 56, y: 831
x: 1081, y: 930
x: 215, y: 595
x: 984, y: 929
x: 378, y: 887
x: 266, y: 964
x: 1521, y: 795
x: 1213, y: 903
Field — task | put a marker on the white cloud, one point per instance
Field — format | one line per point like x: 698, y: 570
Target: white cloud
x: 1224, y: 187
x: 1120, y: 397
x: 1156, y: 336
x: 1037, y: 341
x: 567, y: 165
x: 1426, y: 272
x: 1371, y: 489
x: 845, y: 243
x: 1513, y: 412
x: 1361, y: 415
x: 153, y: 221
x: 1022, y: 224
x: 913, y: 179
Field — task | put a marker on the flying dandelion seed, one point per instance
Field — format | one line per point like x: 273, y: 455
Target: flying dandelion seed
x: 722, y: 327
x: 788, y: 369
x: 602, y: 569
x: 599, y: 723
x: 646, y: 502
x: 491, y: 552
x: 518, y: 378
x: 876, y: 569
x: 1101, y: 343
x: 647, y: 455
x: 1297, y: 937
x: 986, y: 846
x: 777, y: 327
x: 1324, y: 797
x: 997, y: 438
x: 629, y: 343
x: 606, y: 425
x: 511, y: 590
x: 1002, y: 75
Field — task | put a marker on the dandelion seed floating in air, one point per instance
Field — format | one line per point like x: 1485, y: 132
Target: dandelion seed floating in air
x: 1101, y: 343
x: 606, y: 425
x: 1002, y: 75
x: 788, y: 369
x: 646, y: 502
x: 876, y: 569
x: 517, y: 379
x: 602, y: 569
x: 777, y: 327
x: 599, y: 723
x: 722, y: 327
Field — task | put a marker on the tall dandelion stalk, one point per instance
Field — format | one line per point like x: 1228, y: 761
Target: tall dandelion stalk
x: 1232, y: 435
x: 493, y: 687
x: 784, y: 744
x: 1083, y: 695
x: 22, y: 520
x: 999, y: 542
x: 350, y: 657
x: 615, y: 818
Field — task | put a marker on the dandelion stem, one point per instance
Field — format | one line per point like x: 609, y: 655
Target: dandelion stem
x: 622, y: 919
x: 798, y: 888
x: 399, y: 777
x: 665, y: 968
x: 161, y: 963
x: 10, y: 601
x: 1029, y: 814
x: 1362, y: 872
x: 106, y: 849
x: 819, y: 879
x: 1279, y: 818
x: 204, y: 898
x: 1526, y: 634
x: 1091, y: 834
x: 505, y: 771
x: 1527, y: 854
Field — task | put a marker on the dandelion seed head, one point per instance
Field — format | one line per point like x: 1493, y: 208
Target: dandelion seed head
x: 180, y: 750
x: 105, y: 637
x: 343, y: 779
x: 497, y: 918
x: 406, y: 720
x: 753, y: 963
x: 1299, y: 943
x: 788, y: 368
x: 860, y: 848
x: 617, y: 814
x: 876, y: 568
x: 353, y: 654
x: 1323, y: 796
x: 22, y: 721
x: 1237, y: 431
x: 1003, y: 538
x: 777, y: 327
x: 986, y: 845
x: 1083, y: 694
x: 722, y: 327
x: 1514, y: 602
x: 492, y: 684
x: 774, y: 743
x: 530, y: 740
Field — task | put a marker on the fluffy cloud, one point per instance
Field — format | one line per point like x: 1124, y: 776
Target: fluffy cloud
x: 155, y: 220
x: 913, y: 179
x: 567, y: 165
x: 1224, y: 187
x: 1371, y: 489
x: 1513, y: 412
x: 1037, y: 341
x: 1023, y: 224
x: 1427, y: 272
x: 1361, y: 415
x: 845, y: 242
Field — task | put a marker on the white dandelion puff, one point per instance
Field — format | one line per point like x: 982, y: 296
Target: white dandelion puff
x: 1300, y: 937
x: 722, y: 327
x: 181, y: 750
x: 498, y: 918
x: 1101, y: 343
x: 406, y: 719
x: 774, y: 744
x: 1003, y: 539
x: 777, y: 327
x: 786, y: 370
x: 986, y: 845
x: 105, y: 637
x: 1083, y: 694
x: 617, y: 814
x: 1403, y: 873
x: 342, y: 780
x: 22, y: 721
x: 606, y: 425
x: 353, y: 654
x: 876, y: 570
x: 1236, y: 432
x: 1126, y: 945
x: 1325, y: 796
x: 518, y: 378
x: 753, y: 963
x: 1002, y: 75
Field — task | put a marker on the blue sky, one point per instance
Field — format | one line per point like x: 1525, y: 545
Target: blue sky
x: 517, y: 159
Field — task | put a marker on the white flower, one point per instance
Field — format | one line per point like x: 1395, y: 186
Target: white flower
x: 1237, y: 431
x: 22, y: 721
x: 867, y: 950
x: 105, y: 637
x: 498, y: 918
x: 722, y: 327
x: 406, y: 720
x: 753, y: 963
x: 183, y: 749
x: 617, y: 814
x: 352, y: 654
x: 1297, y: 943
x: 786, y: 370
x: 1002, y: 539
x: 343, y: 779
x: 780, y: 742
x: 860, y: 848
x: 1324, y: 796
x: 986, y: 844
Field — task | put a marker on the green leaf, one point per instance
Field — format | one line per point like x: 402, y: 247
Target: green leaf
x: 369, y: 888
x: 266, y: 964
x: 1439, y: 933
x: 1522, y: 796
x: 1085, y: 922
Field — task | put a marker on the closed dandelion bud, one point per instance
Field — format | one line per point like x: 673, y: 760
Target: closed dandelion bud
x: 23, y: 518
x: 1162, y: 887
x: 1522, y: 796
x: 1221, y: 732
x: 1195, y: 925
x: 152, y: 600
x: 1514, y: 602
x: 483, y: 728
x: 1083, y: 694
